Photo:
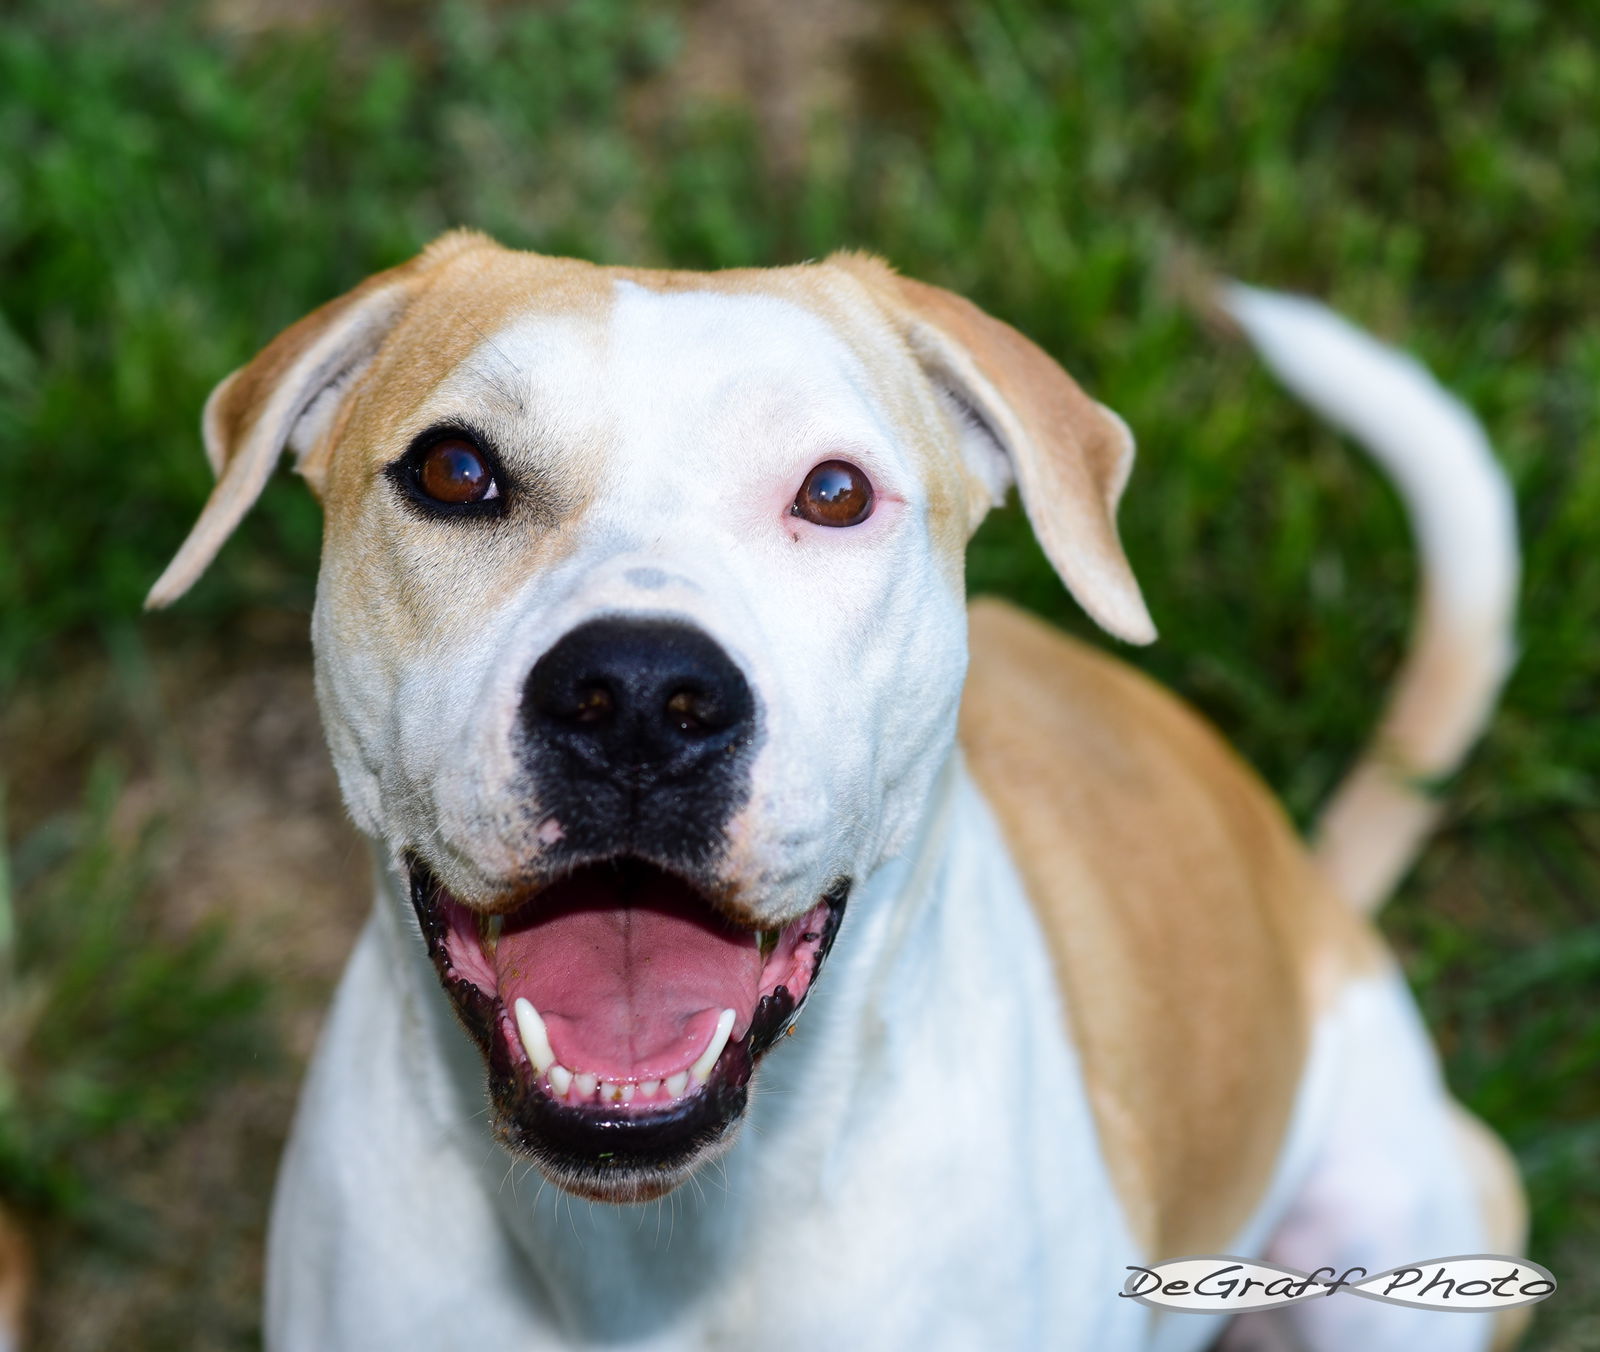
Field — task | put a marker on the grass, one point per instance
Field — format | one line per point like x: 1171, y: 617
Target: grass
x: 173, y: 193
x: 111, y: 1029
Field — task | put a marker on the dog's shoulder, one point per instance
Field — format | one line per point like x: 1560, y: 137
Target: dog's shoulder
x: 1194, y: 941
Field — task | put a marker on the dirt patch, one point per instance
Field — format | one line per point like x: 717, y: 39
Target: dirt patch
x: 789, y: 65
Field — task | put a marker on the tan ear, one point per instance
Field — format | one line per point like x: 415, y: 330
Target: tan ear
x: 289, y: 397
x: 1028, y: 422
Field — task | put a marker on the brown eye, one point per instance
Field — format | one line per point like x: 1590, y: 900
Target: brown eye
x: 835, y: 493
x: 455, y: 471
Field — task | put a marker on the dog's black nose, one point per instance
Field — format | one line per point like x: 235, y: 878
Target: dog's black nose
x: 638, y: 701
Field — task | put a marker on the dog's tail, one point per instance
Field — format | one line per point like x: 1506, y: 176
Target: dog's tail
x: 1462, y: 515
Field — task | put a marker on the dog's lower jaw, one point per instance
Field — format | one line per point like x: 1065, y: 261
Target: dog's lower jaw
x: 561, y: 1143
x: 620, y: 1188
x: 623, y: 1146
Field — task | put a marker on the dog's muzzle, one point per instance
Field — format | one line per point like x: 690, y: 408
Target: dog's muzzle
x: 619, y: 999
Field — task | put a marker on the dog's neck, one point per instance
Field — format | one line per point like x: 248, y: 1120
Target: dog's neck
x: 874, y: 1048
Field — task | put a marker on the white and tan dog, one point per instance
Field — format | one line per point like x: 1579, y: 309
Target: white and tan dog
x: 643, y: 651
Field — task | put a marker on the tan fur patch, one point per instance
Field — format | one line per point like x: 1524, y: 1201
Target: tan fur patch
x: 1193, y: 939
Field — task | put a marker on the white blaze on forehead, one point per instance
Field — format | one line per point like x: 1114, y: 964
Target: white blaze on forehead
x: 667, y: 335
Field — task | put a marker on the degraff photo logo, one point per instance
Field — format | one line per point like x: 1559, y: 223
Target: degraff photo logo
x: 1479, y: 1283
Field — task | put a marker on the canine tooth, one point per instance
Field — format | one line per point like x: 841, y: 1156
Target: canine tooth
x: 628, y: 1091
x: 609, y: 1093
x: 676, y: 1084
x: 649, y: 1088
x: 585, y: 1084
x: 701, y: 1069
x: 535, y: 1040
x: 560, y: 1080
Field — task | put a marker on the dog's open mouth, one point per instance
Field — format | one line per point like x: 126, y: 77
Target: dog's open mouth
x: 621, y: 1014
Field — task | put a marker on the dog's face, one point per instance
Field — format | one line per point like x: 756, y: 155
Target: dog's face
x: 640, y: 636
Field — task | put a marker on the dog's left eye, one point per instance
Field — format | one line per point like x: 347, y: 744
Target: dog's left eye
x: 835, y: 493
x: 454, y: 471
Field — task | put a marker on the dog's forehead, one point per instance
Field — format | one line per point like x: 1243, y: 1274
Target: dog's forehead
x: 542, y: 334
x: 478, y: 294
x: 649, y: 359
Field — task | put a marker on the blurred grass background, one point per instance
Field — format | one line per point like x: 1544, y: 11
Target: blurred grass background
x: 178, y: 182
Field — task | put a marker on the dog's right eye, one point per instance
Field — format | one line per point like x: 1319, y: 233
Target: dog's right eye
x: 456, y: 472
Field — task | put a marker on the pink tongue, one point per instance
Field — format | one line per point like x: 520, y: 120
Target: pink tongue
x: 630, y: 970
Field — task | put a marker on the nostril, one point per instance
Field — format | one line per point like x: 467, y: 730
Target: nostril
x: 595, y: 703
x: 568, y: 700
x: 694, y: 712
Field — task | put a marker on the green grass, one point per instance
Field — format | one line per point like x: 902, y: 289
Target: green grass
x: 171, y: 195
x: 114, y: 1033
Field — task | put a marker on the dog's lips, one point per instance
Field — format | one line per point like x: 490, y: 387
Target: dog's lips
x: 620, y: 1002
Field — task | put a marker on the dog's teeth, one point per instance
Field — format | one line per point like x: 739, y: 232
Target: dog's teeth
x: 585, y: 1084
x: 489, y: 928
x: 700, y: 1071
x: 649, y: 1088
x: 628, y: 1091
x: 676, y: 1084
x: 609, y: 1093
x: 535, y: 1040
x: 560, y: 1080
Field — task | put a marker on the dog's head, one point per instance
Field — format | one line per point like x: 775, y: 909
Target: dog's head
x: 640, y: 635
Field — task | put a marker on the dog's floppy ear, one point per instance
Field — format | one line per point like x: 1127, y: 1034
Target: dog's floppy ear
x: 289, y: 397
x: 1027, y: 421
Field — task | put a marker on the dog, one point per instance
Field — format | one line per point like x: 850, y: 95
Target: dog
x: 645, y: 660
